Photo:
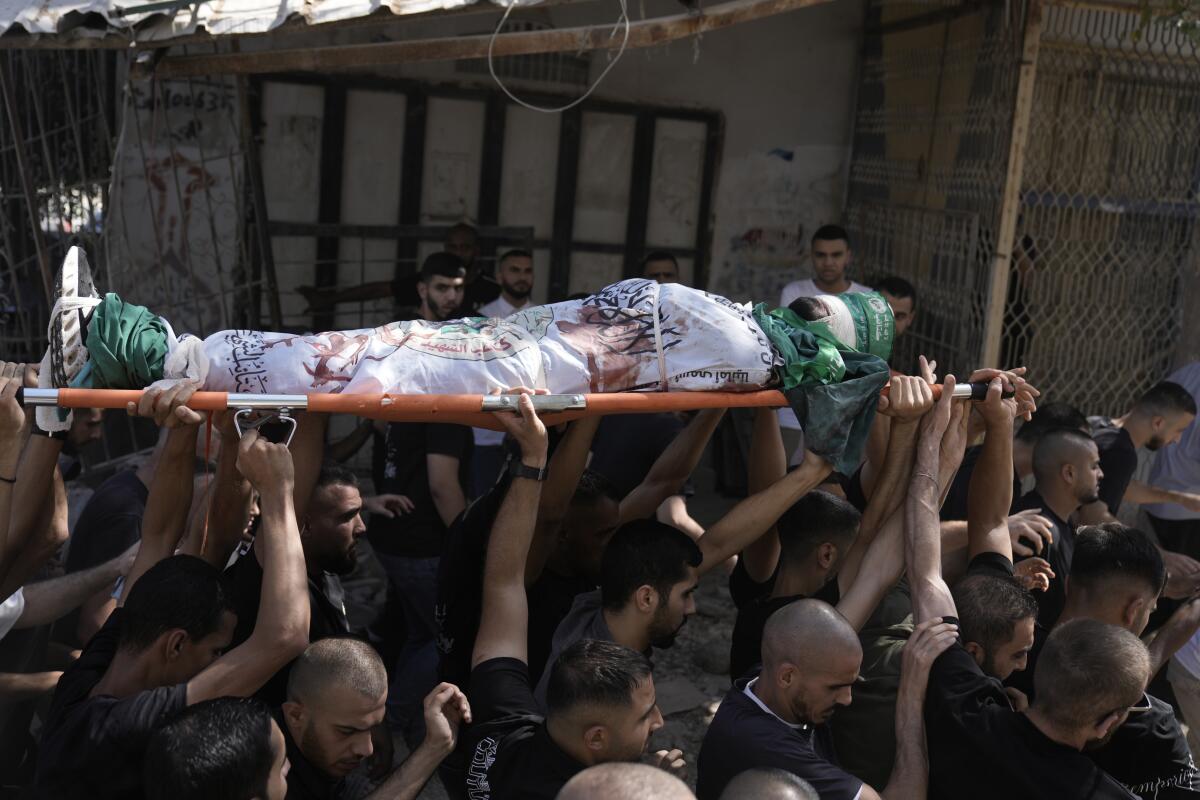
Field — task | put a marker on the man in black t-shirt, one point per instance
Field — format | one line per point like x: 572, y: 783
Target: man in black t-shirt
x: 978, y: 745
x: 1116, y: 577
x: 163, y: 650
x: 429, y: 463
x: 1158, y: 419
x: 811, y: 659
x: 1068, y: 471
x: 330, y: 528
x: 601, y: 701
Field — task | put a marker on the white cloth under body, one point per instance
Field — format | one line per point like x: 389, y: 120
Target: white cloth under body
x: 635, y: 335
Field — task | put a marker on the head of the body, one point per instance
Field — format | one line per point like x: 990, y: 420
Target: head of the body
x: 462, y: 241
x: 1047, y: 418
x: 1066, y: 466
x: 814, y: 536
x: 1087, y: 678
x: 831, y: 256
x: 600, y: 703
x: 1116, y: 577
x: 177, y: 620
x: 1160, y: 416
x: 811, y: 659
x: 441, y: 285
x: 514, y: 273
x: 592, y: 519
x: 228, y: 748
x: 336, y: 694
x: 626, y: 781
x: 767, y: 783
x: 647, y: 584
x: 902, y: 297
x: 333, y: 522
x: 87, y: 426
x: 997, y: 617
x: 660, y: 266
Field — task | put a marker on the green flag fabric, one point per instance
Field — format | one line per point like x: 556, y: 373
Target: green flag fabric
x: 832, y: 386
x: 127, y: 346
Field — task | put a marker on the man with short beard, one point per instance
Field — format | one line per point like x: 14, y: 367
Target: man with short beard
x: 329, y: 532
x: 514, y: 271
x: 1066, y: 465
x: 648, y: 578
x: 1157, y: 420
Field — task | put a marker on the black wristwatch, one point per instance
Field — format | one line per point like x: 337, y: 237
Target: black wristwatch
x: 518, y: 470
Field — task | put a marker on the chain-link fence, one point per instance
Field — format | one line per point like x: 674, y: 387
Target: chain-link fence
x: 930, y: 141
x: 1102, y: 269
x: 1107, y: 227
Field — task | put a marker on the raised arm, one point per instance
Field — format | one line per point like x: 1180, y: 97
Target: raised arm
x: 217, y: 530
x: 446, y: 709
x: 281, y: 628
x: 931, y: 597
x: 49, y: 600
x: 671, y: 468
x: 908, y: 400
x: 566, y: 468
x: 989, y: 496
x: 504, y: 622
x: 445, y: 487
x: 768, y: 464
x: 170, y: 495
x: 12, y: 441
x: 755, y: 515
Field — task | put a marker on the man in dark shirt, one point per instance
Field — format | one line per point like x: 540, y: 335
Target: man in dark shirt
x: 429, y: 463
x: 1158, y: 419
x: 1067, y: 467
x: 227, y: 748
x: 162, y: 650
x: 978, y: 745
x: 1046, y: 418
x: 336, y: 694
x: 601, y: 701
x: 811, y: 658
x: 331, y: 527
x: 1116, y: 577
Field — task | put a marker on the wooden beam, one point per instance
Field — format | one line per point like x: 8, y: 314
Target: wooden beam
x: 646, y: 33
x: 1010, y: 208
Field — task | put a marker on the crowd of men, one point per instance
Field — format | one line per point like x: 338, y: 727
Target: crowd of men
x: 963, y: 616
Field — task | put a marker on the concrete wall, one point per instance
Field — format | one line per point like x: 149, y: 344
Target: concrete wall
x: 786, y: 88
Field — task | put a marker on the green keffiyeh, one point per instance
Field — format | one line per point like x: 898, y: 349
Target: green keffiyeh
x: 126, y: 344
x: 832, y: 387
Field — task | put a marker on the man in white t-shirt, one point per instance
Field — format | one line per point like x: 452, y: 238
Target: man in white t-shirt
x: 514, y: 272
x: 831, y: 256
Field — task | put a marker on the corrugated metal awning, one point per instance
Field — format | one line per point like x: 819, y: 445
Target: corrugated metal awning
x: 150, y: 22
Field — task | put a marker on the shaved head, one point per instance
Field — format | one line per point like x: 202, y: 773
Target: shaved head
x: 1058, y: 447
x: 337, y: 663
x: 626, y: 781
x: 790, y: 634
x: 762, y: 783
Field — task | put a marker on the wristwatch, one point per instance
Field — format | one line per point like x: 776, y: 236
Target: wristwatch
x: 518, y: 470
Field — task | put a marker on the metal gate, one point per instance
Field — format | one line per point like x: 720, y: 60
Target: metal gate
x: 1034, y: 172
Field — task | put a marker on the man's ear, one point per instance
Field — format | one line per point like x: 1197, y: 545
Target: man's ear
x: 1132, y: 610
x: 595, y: 739
x: 173, y: 642
x: 827, y: 553
x: 646, y: 599
x: 976, y: 651
x: 294, y: 713
x: 1067, y: 472
x: 1107, y: 725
